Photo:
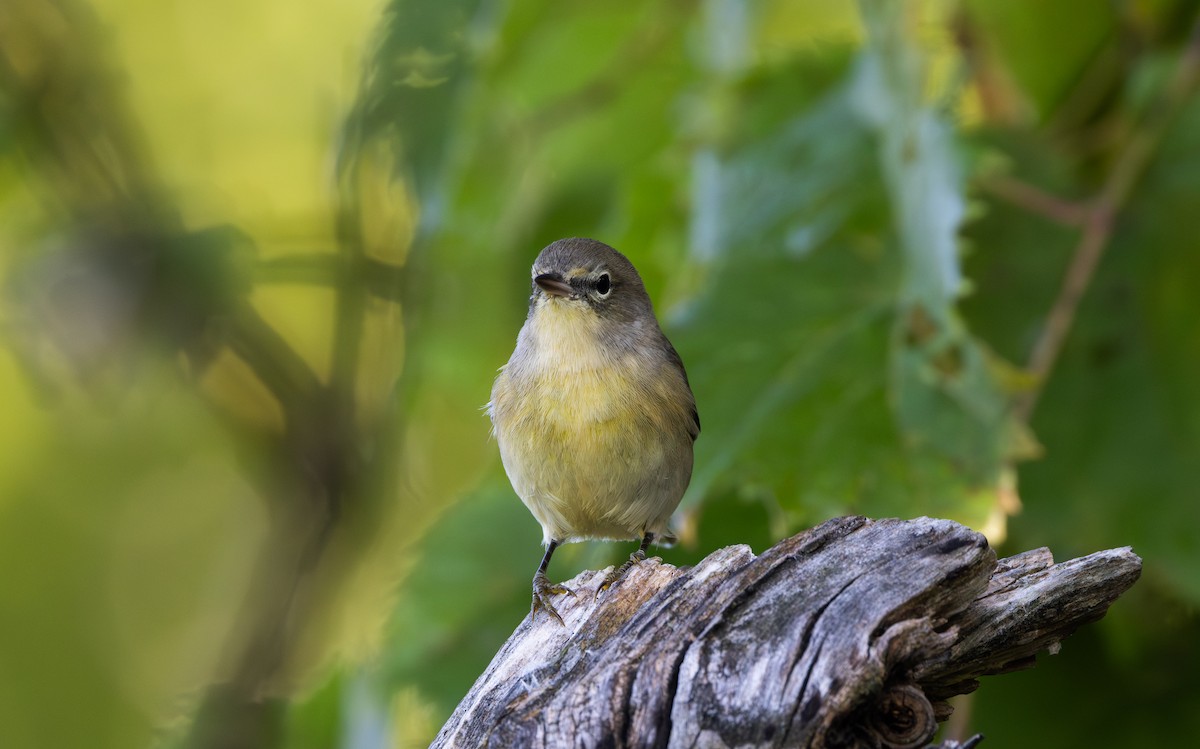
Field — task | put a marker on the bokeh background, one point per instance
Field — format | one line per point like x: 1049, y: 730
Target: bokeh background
x: 261, y: 260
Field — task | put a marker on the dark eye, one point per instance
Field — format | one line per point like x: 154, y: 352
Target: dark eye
x: 603, y: 284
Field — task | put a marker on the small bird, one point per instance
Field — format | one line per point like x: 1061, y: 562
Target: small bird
x: 593, y: 412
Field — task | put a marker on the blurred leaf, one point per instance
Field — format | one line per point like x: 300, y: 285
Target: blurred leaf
x: 1046, y: 48
x: 412, y: 83
x: 813, y: 187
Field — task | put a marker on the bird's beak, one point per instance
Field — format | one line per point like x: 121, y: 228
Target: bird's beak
x: 552, y: 284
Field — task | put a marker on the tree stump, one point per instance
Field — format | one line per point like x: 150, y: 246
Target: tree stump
x: 852, y: 634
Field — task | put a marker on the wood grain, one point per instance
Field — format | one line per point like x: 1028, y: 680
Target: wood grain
x: 851, y: 634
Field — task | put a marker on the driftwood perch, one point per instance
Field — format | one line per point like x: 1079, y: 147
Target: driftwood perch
x: 852, y: 634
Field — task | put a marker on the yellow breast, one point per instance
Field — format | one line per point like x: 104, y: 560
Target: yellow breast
x: 594, y: 440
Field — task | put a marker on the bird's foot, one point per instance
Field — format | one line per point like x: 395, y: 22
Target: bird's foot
x: 542, y: 590
x: 615, y: 576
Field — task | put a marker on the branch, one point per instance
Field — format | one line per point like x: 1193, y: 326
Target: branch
x: 850, y: 634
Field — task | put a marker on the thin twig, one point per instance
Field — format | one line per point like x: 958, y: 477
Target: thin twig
x: 1097, y: 230
x: 1086, y: 257
x: 1037, y: 201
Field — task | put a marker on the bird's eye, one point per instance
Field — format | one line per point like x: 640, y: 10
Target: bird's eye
x: 603, y: 284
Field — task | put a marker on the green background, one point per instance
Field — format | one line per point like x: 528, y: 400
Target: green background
x: 261, y: 261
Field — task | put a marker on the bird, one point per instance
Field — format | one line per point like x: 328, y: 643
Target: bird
x: 593, y: 413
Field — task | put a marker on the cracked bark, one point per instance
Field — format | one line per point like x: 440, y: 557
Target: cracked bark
x: 851, y: 634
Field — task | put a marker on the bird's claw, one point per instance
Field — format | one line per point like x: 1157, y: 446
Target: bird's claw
x: 542, y: 590
x: 618, y: 573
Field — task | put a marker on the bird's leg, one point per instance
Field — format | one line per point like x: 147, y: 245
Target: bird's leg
x: 543, y: 588
x: 636, y: 557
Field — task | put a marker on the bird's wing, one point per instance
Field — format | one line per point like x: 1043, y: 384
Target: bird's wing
x: 673, y: 357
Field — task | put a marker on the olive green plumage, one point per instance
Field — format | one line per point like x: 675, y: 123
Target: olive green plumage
x: 593, y: 412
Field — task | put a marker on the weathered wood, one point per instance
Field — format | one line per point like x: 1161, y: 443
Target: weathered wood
x: 850, y: 634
